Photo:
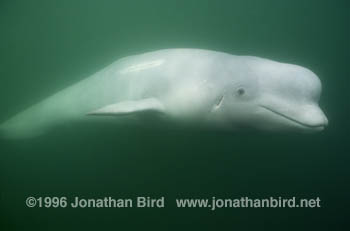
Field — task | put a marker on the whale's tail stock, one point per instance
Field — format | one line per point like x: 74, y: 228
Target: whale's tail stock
x: 2, y: 132
x: 21, y: 126
x: 6, y: 132
x: 9, y: 130
x: 15, y: 131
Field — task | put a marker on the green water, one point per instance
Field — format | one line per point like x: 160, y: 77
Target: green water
x: 48, y: 45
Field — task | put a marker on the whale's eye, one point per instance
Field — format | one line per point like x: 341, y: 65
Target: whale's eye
x: 240, y: 91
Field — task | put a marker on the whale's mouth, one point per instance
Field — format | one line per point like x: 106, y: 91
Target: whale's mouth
x: 315, y: 127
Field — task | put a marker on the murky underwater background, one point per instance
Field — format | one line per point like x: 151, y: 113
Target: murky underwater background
x: 48, y: 45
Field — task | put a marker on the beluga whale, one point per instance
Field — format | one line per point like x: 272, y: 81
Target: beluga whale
x: 185, y: 87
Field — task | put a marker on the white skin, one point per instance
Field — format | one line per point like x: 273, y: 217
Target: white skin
x: 185, y: 86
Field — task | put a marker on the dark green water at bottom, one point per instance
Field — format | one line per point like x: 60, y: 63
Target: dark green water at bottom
x: 175, y: 164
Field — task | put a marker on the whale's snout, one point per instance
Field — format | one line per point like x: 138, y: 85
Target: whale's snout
x: 302, y: 117
x: 323, y: 120
x: 312, y: 116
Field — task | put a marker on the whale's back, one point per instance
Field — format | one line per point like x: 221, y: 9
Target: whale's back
x: 135, y: 77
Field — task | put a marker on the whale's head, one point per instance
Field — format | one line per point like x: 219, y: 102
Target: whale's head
x: 269, y: 95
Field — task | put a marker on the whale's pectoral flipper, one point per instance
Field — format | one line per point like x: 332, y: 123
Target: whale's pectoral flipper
x: 130, y: 107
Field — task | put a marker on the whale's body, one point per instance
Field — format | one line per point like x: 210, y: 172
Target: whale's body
x: 189, y: 86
